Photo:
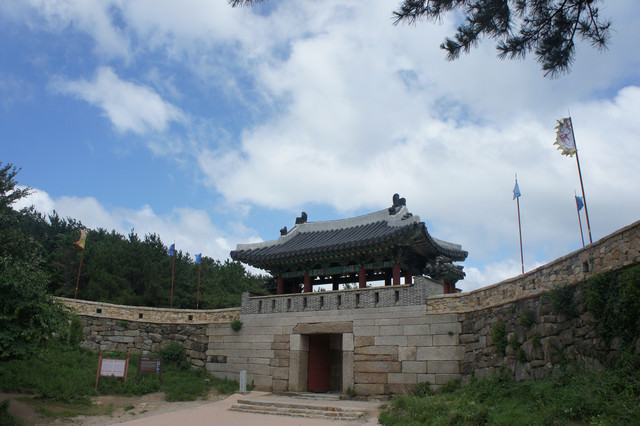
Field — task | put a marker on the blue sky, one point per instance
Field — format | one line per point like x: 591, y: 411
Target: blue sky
x: 214, y: 126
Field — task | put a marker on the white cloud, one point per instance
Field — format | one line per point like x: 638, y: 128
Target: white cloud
x: 355, y: 109
x: 93, y: 17
x: 128, y: 106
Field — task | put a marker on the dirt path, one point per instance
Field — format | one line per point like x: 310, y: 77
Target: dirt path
x: 106, y: 409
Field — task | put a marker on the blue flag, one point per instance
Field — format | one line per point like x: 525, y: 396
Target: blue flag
x: 516, y: 191
x: 198, y: 258
x: 172, y: 250
x: 579, y: 203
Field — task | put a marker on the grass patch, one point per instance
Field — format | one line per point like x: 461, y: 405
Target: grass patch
x: 608, y: 397
x: 63, y: 379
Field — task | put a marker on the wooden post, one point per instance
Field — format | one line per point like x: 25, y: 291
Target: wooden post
x: 280, y: 284
x: 362, y: 278
x: 408, y: 276
x: 307, y: 282
x: 396, y: 273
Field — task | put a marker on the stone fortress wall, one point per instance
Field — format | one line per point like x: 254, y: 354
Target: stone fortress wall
x: 388, y: 342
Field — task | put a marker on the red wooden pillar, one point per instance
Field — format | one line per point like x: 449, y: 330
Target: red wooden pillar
x: 307, y: 282
x: 335, y: 283
x: 408, y: 277
x: 396, y: 273
x: 448, y: 287
x: 280, y: 285
x: 362, y: 278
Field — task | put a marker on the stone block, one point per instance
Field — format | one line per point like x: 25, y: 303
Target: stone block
x: 377, y: 367
x: 397, y: 388
x: 443, y: 367
x: 278, y: 362
x: 280, y: 373
x: 419, y: 367
x: 426, y: 340
x: 367, y: 330
x: 445, y: 340
x: 260, y: 382
x: 359, y: 341
x: 373, y: 357
x: 280, y: 346
x: 280, y: 385
x: 376, y: 350
x: 407, y: 353
x: 429, y: 378
x: 347, y: 342
x: 368, y: 388
x: 370, y: 378
x: 391, y: 340
x: 416, y: 330
x: 298, y: 342
x: 281, y: 338
x: 282, y: 354
x: 440, y: 318
x: 403, y: 378
x: 468, y: 338
x: 440, y: 353
x: 390, y: 330
x: 446, y: 328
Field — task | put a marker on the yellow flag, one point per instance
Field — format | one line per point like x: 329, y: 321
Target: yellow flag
x: 83, y: 238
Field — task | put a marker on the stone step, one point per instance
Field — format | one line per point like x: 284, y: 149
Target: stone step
x: 297, y: 410
x: 313, y: 396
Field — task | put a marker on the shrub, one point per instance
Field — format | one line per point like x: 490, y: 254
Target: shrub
x: 499, y: 335
x: 563, y: 302
x: 527, y: 318
x: 421, y: 390
x: 173, y: 353
x: 614, y: 299
x: 236, y: 325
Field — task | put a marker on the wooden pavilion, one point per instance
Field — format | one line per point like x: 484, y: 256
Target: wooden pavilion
x: 380, y: 246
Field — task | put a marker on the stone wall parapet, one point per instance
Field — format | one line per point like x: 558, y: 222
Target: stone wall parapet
x: 615, y: 251
x: 370, y: 297
x: 150, y: 315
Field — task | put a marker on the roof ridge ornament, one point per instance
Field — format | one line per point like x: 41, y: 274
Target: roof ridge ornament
x: 398, y: 203
x: 302, y: 219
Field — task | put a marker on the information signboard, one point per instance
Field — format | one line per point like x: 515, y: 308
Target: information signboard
x: 112, y: 367
x: 149, y: 366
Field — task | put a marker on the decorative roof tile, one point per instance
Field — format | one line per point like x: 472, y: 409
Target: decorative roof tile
x: 393, y: 226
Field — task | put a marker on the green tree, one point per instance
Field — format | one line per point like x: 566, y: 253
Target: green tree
x: 28, y: 314
x: 545, y: 27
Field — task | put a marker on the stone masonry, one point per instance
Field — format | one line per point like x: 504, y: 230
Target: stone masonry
x: 390, y: 342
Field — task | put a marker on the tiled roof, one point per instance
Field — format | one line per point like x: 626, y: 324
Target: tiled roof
x: 384, y: 227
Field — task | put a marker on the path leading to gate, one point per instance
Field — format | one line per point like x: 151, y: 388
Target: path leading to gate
x: 269, y: 409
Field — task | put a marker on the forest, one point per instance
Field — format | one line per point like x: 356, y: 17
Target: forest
x: 116, y: 268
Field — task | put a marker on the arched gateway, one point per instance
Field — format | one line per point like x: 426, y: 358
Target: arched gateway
x: 373, y: 340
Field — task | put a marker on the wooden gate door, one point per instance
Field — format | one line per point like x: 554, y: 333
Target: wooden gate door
x: 319, y: 363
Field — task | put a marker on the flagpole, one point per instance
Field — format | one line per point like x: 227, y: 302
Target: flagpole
x: 584, y: 198
x: 75, y: 295
x: 520, y: 233
x: 579, y: 220
x: 173, y: 263
x: 198, y: 294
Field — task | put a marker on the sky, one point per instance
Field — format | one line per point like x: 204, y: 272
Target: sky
x: 212, y: 126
